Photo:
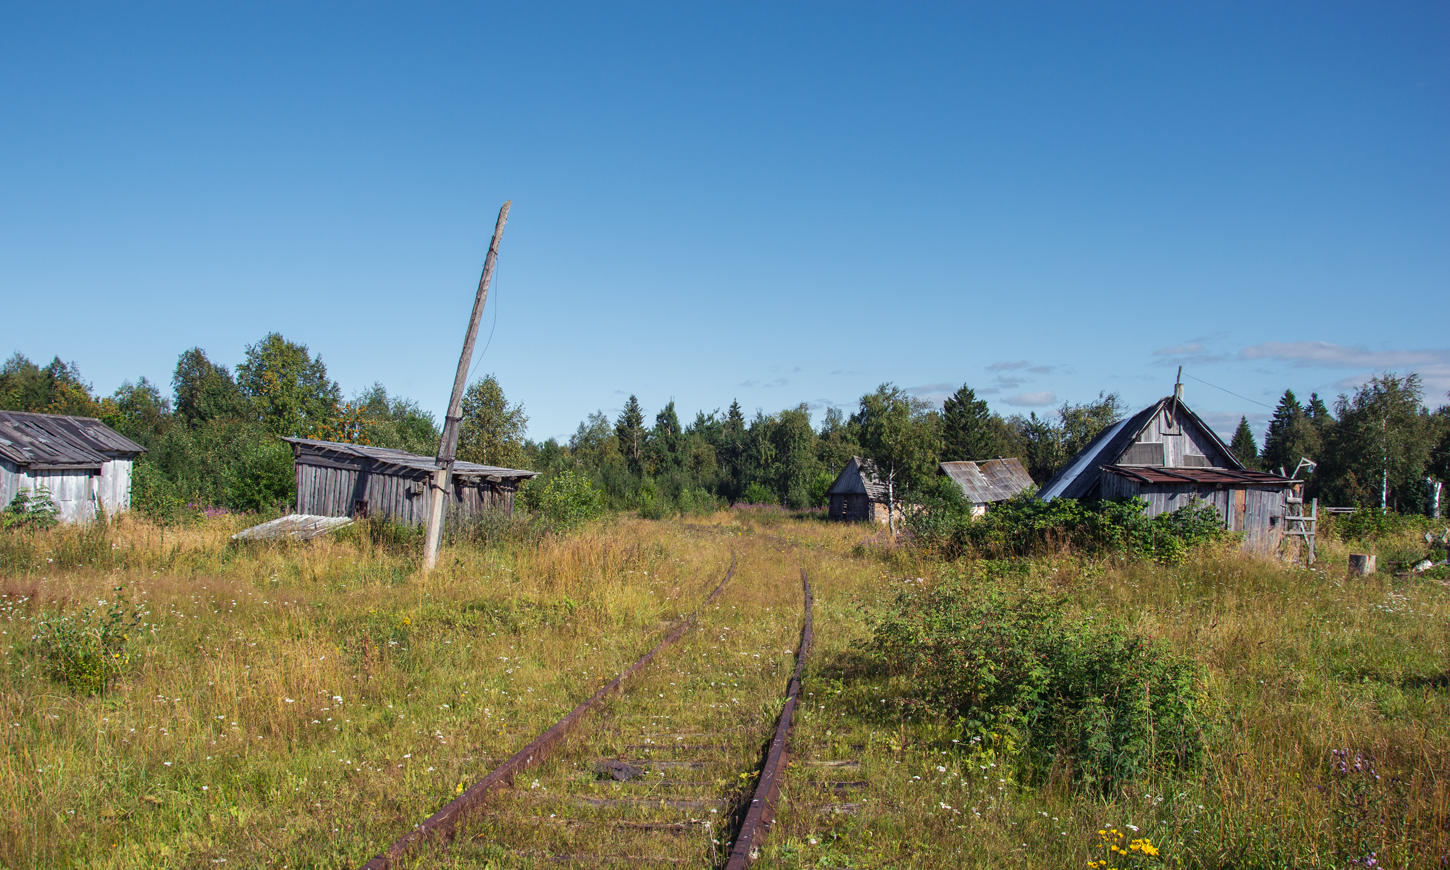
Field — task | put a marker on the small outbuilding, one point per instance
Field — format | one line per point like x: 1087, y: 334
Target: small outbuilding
x: 1167, y: 456
x: 81, y: 462
x: 988, y: 482
x: 354, y: 480
x: 857, y: 494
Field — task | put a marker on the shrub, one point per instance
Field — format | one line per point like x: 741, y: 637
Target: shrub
x: 30, y: 509
x: 759, y: 493
x: 1100, y: 700
x: 89, y: 650
x: 567, y: 499
x: 1026, y: 526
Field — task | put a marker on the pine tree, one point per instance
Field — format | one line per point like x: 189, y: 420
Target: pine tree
x: 967, y: 430
x: 630, y: 430
x: 1291, y: 437
x: 1244, y: 446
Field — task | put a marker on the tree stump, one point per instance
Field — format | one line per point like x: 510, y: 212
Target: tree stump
x: 1361, y: 564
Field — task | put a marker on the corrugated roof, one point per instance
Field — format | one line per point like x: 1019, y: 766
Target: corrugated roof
x: 859, y: 476
x: 989, y: 481
x: 1081, y: 474
x: 1144, y: 474
x: 388, y: 458
x: 56, y: 442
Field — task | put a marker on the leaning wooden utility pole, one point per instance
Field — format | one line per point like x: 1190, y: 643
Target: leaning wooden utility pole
x: 448, y: 445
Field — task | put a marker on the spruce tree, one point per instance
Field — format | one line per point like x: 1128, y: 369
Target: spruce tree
x: 630, y: 430
x: 967, y: 430
x: 1244, y: 446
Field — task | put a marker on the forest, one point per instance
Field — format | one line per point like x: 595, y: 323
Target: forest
x: 212, y: 438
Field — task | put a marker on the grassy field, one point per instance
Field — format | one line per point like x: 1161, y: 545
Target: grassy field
x: 302, y: 705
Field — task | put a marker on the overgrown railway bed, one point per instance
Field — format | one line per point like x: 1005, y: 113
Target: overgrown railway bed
x: 674, y: 764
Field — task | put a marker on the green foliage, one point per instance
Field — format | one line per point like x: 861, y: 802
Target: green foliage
x: 31, y: 509
x: 204, y: 391
x: 288, y: 388
x: 901, y: 435
x: 89, y: 650
x: 1380, y: 445
x: 492, y: 430
x: 758, y: 493
x: 566, y: 499
x: 970, y: 431
x: 1025, y: 526
x: 56, y: 389
x: 1044, y: 445
x: 1105, y: 703
x: 1244, y: 446
x: 375, y: 418
x: 629, y: 429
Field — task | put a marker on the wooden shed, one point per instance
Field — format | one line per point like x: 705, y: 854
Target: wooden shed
x: 84, y: 464
x: 987, y: 482
x: 857, y: 494
x: 1167, y: 456
x: 347, y: 480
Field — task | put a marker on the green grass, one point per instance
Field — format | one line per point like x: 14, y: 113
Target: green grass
x: 225, y: 739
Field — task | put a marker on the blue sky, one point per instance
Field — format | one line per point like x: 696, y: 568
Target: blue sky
x: 779, y: 203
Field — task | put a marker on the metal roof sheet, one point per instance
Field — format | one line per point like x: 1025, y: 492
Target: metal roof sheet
x: 59, y: 442
x: 1233, y: 476
x: 989, y: 481
x: 400, y: 460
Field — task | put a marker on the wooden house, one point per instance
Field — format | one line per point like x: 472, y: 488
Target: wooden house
x: 857, y: 493
x: 987, y: 482
x: 1167, y: 456
x: 347, y: 480
x: 81, y: 462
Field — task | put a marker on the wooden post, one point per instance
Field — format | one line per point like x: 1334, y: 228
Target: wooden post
x: 448, y: 444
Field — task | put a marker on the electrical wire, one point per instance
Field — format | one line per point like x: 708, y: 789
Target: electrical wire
x: 493, y: 296
x: 1230, y: 392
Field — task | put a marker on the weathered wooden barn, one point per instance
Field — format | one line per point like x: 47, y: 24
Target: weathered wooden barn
x: 345, y: 480
x: 84, y: 464
x: 857, y: 493
x: 987, y: 482
x: 1167, y: 456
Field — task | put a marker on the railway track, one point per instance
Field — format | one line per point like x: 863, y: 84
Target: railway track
x: 676, y: 763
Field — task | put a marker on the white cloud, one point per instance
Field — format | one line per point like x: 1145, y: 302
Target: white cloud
x: 1032, y: 400
x: 1432, y: 364
x: 1008, y: 366
x: 1329, y: 355
x: 1180, y: 349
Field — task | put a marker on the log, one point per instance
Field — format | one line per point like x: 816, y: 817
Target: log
x: 1361, y: 564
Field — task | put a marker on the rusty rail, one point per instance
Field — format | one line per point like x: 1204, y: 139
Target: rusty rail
x: 762, y: 805
x: 440, y: 827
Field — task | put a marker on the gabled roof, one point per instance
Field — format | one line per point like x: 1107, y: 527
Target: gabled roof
x: 1080, y: 476
x: 859, y: 476
x: 989, y: 481
x: 56, y: 442
x: 388, y: 459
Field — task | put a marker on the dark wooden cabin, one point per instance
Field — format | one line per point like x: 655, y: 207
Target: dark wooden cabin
x: 1167, y: 456
x: 988, y: 482
x: 857, y: 494
x: 348, y: 480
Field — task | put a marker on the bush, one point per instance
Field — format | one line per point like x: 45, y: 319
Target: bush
x: 1105, y: 703
x: 30, y: 509
x: 1026, y: 526
x: 759, y: 493
x: 88, y: 651
x: 567, y: 499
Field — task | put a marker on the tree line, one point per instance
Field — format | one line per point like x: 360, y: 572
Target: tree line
x: 214, y: 440
x: 1379, y: 447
